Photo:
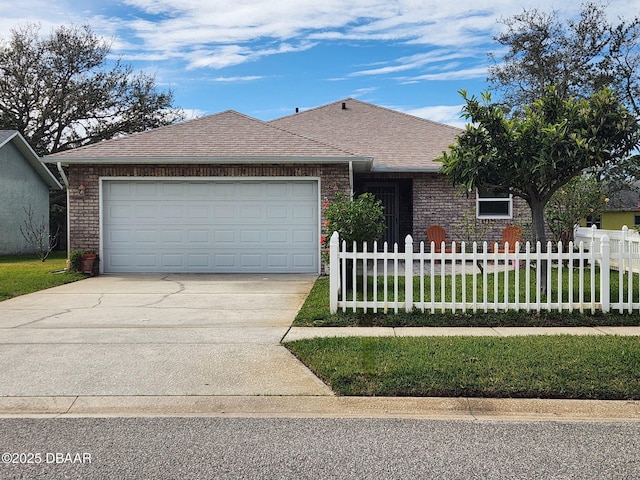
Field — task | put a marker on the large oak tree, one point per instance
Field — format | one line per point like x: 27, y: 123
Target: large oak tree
x: 578, y: 56
x: 62, y: 91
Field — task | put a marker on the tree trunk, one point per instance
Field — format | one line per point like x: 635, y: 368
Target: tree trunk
x: 540, y: 234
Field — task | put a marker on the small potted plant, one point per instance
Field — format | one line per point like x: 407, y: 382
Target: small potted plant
x: 83, y: 261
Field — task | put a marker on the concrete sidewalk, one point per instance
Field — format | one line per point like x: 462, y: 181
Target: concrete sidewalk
x: 300, y: 333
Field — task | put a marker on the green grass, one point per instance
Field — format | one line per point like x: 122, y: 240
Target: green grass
x: 20, y: 275
x: 580, y: 367
x: 315, y: 311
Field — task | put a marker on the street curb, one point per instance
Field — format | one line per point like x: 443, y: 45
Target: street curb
x: 470, y: 409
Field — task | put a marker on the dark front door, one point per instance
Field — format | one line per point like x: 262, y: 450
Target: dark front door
x: 387, y: 193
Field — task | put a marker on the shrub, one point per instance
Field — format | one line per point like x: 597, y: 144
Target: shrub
x: 359, y: 220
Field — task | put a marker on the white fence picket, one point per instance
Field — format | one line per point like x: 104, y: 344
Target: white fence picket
x: 592, y: 250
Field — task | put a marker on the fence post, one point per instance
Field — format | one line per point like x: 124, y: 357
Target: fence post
x: 622, y: 262
x: 408, y: 273
x: 334, y: 272
x: 605, y: 250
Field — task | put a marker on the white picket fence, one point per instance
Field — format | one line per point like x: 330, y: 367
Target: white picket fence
x: 622, y: 241
x: 483, y: 280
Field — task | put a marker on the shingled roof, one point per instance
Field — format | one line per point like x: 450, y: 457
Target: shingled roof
x: 224, y: 137
x: 347, y: 130
x: 396, y: 141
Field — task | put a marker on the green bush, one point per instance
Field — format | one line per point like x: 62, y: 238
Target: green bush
x: 359, y: 220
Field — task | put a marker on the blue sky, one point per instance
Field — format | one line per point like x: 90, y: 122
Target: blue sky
x: 264, y: 58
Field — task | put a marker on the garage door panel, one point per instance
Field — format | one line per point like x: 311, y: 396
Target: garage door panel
x: 172, y: 211
x: 172, y: 237
x: 224, y: 212
x: 303, y: 189
x: 280, y: 237
x: 277, y: 212
x: 173, y: 189
x: 277, y: 260
x: 252, y: 212
x: 196, y: 191
x: 198, y: 260
x: 225, y: 236
x: 198, y: 236
x: 250, y: 260
x: 304, y: 237
x: 120, y: 189
x: 142, y: 237
x: 172, y: 260
x: 120, y: 236
x: 198, y: 212
x: 250, y: 237
x: 303, y: 261
x: 303, y: 211
x: 210, y: 226
x: 145, y: 190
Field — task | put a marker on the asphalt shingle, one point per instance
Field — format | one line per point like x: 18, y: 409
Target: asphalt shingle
x: 227, y: 134
x: 396, y: 141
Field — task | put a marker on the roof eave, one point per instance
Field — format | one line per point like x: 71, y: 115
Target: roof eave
x: 407, y: 169
x: 362, y: 163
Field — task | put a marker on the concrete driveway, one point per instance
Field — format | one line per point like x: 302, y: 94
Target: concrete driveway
x: 155, y: 335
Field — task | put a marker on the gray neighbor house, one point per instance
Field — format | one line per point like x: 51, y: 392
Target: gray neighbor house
x: 228, y: 193
x: 24, y: 187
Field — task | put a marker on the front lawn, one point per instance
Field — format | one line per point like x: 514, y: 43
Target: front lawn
x: 315, y: 312
x: 24, y: 274
x: 563, y: 366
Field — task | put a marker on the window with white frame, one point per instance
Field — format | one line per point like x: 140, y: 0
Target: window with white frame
x: 493, y: 204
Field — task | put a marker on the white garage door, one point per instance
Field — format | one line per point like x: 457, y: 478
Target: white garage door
x: 210, y: 226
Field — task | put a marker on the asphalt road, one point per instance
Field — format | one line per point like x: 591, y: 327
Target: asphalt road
x: 308, y: 448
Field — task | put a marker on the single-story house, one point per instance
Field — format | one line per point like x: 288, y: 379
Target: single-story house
x: 623, y: 209
x: 24, y: 191
x: 231, y: 193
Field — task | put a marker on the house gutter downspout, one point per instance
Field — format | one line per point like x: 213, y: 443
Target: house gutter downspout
x: 351, y: 179
x: 65, y: 180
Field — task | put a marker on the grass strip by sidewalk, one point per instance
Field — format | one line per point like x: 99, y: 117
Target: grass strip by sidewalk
x: 563, y: 366
x: 315, y: 313
x: 24, y: 274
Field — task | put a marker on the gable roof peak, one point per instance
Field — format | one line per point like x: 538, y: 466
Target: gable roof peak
x: 397, y: 141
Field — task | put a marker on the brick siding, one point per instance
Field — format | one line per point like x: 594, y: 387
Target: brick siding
x: 437, y: 202
x: 433, y: 199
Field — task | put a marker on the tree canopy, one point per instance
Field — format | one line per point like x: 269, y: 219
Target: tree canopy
x: 535, y: 154
x: 59, y: 91
x: 577, y: 56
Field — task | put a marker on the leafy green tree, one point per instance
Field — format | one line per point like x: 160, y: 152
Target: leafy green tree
x: 581, y: 197
x: 532, y: 156
x: 60, y: 93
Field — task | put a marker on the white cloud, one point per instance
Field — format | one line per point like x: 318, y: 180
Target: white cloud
x: 448, y: 114
x: 223, y: 33
x: 229, y: 55
x: 432, y: 58
x: 462, y: 74
x: 248, y: 78
x: 177, y: 37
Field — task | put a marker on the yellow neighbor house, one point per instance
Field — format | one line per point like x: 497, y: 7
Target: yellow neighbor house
x: 623, y: 210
